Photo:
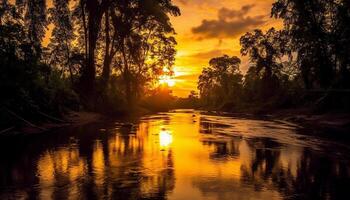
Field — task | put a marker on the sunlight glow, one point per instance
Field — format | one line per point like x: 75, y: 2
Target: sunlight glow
x: 165, y: 138
x: 166, y: 79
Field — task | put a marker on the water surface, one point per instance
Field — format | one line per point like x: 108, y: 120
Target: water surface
x: 176, y: 155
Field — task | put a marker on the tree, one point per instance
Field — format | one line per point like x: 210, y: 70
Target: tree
x: 341, y: 37
x: 141, y: 34
x: 92, y: 13
x: 265, y: 52
x: 61, y: 47
x: 193, y: 95
x: 19, y: 71
x: 126, y: 34
x: 35, y: 21
x: 27, y: 82
x: 206, y: 85
x: 6, y: 14
x: 221, y: 82
x: 320, y: 38
x: 110, y: 50
x: 123, y: 44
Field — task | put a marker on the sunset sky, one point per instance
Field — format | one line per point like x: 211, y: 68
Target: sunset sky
x: 207, y: 29
x: 210, y: 28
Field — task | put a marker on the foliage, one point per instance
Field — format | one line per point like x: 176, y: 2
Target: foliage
x: 305, y: 63
x: 221, y: 82
x: 270, y: 82
x: 142, y: 33
x: 159, y: 99
x: 29, y: 86
x: 60, y: 48
x: 109, y: 52
x: 191, y: 102
x: 318, y: 31
x: 265, y: 52
x: 133, y: 38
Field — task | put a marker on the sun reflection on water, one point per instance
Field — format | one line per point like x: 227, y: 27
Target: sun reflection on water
x: 165, y: 138
x: 178, y: 155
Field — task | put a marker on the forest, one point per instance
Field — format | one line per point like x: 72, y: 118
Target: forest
x: 103, y: 56
x: 175, y: 99
x: 305, y: 64
x: 107, y: 56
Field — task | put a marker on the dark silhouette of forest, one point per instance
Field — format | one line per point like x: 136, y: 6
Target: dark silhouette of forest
x: 307, y: 63
x: 107, y: 55
x: 103, y: 55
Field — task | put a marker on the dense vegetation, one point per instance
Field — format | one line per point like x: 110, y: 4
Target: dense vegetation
x: 107, y: 56
x: 103, y: 55
x: 307, y: 63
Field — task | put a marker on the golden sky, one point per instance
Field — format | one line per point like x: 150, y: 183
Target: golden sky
x: 207, y: 29
x: 211, y: 28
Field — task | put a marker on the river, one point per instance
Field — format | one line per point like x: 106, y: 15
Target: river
x: 184, y: 154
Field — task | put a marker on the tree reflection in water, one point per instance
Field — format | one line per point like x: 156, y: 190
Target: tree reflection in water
x: 181, y: 155
x: 295, y: 172
x: 88, y: 165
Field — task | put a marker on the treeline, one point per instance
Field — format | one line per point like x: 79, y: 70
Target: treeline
x: 306, y: 63
x: 103, y: 55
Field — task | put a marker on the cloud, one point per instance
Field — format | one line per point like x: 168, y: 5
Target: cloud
x: 225, y: 13
x: 230, y: 24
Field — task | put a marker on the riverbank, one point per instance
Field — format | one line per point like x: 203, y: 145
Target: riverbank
x: 330, y: 125
x: 72, y: 118
x: 333, y: 125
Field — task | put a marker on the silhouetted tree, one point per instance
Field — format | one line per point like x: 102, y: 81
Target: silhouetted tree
x: 221, y: 82
x: 35, y: 21
x: 341, y: 36
x: 141, y: 31
x: 93, y: 11
x: 319, y: 37
x: 110, y: 49
x: 125, y: 44
x: 265, y: 52
x: 61, y: 46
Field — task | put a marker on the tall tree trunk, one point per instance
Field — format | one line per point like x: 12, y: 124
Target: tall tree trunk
x: 68, y: 62
x: 89, y: 71
x: 85, y: 29
x: 107, y: 57
x: 126, y: 77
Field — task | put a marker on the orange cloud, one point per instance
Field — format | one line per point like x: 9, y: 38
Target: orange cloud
x: 230, y: 23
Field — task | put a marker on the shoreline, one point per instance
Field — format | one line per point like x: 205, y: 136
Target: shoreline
x: 71, y: 119
x: 332, y: 125
x: 325, y: 125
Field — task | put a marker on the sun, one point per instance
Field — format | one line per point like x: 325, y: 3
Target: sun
x: 166, y: 79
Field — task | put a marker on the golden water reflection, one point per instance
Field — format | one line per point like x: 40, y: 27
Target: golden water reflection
x: 178, y: 155
x: 165, y: 139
